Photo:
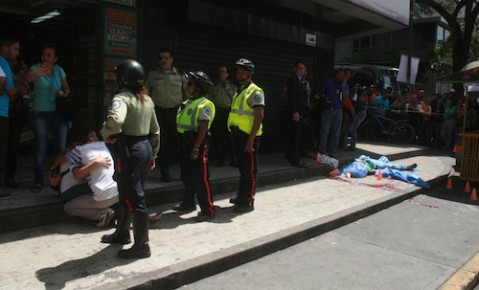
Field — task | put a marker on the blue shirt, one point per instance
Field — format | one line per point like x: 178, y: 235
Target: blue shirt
x: 45, y: 89
x: 4, y: 98
x: 334, y: 92
x: 381, y: 105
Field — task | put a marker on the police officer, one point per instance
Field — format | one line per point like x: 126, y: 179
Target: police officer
x: 166, y: 88
x: 133, y: 131
x: 245, y: 124
x: 193, y: 121
x: 221, y: 94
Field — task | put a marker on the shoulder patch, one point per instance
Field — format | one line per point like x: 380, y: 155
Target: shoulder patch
x: 258, y: 97
x: 207, y: 110
x: 115, y: 105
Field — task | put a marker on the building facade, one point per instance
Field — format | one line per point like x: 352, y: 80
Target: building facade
x: 92, y: 36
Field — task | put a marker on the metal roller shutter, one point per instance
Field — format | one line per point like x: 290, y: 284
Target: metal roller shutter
x: 200, y: 47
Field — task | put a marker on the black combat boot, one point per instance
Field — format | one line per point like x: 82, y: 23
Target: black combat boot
x: 122, y: 232
x: 140, y: 248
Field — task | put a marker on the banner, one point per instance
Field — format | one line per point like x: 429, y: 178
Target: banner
x: 403, y: 68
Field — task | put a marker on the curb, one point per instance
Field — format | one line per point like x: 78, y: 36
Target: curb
x: 465, y: 278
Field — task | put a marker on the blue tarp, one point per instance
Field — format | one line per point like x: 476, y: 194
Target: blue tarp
x: 360, y: 169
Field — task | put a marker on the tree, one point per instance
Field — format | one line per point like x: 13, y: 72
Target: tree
x: 461, y: 17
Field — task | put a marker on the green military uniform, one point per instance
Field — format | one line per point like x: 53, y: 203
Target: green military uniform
x: 166, y: 90
x: 132, y: 117
x: 222, y: 95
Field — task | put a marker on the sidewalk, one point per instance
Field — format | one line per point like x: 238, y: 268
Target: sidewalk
x: 26, y: 209
x: 68, y: 255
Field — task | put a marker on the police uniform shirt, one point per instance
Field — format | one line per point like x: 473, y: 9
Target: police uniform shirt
x: 256, y: 100
x: 221, y: 94
x: 204, y: 115
x: 132, y: 117
x: 166, y: 87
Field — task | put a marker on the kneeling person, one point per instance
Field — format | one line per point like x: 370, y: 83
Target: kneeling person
x: 94, y: 199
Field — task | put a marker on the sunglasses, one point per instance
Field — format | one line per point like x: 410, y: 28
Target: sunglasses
x: 163, y: 58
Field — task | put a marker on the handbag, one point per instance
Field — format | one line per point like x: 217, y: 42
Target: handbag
x: 66, y: 108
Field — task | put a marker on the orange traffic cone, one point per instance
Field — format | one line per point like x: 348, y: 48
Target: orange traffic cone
x: 449, y: 183
x: 467, y: 188
x: 380, y: 175
x: 473, y: 195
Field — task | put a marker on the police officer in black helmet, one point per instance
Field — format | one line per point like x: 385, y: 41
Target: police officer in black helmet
x: 193, y: 121
x: 131, y: 128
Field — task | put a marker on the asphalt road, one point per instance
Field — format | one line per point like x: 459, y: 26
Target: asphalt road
x: 416, y: 244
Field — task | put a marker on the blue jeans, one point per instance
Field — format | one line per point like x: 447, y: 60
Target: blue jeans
x: 43, y: 124
x: 353, y: 128
x: 330, y: 131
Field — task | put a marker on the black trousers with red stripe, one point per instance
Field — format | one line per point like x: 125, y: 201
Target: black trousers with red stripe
x: 247, y: 164
x: 132, y: 160
x: 195, y: 175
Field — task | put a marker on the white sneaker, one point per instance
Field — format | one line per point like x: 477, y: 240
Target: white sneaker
x: 106, y: 217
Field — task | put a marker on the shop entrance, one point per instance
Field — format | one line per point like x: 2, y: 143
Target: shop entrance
x: 72, y: 28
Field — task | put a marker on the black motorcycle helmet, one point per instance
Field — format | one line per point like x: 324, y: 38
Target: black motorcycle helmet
x: 201, y: 79
x: 245, y: 64
x: 130, y: 74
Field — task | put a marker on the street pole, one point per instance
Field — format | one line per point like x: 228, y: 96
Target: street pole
x: 411, y: 43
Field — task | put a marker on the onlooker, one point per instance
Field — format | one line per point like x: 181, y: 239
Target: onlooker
x: 398, y: 107
x: 49, y: 80
x: 332, y: 113
x: 93, y: 199
x: 221, y: 94
x: 18, y: 116
x: 245, y: 124
x: 449, y: 122
x: 415, y: 113
x: 425, y: 133
x: 193, y: 122
x: 437, y: 111
x: 298, y: 109
x: 348, y: 112
x: 132, y: 129
x: 9, y: 50
x: 381, y: 103
x: 360, y: 102
x: 166, y: 88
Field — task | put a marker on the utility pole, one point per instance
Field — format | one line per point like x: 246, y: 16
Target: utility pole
x: 411, y: 44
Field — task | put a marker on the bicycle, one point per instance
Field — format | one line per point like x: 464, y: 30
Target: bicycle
x: 401, y: 131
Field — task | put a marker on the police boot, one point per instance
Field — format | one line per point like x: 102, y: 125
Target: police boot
x: 140, y: 248
x: 122, y: 232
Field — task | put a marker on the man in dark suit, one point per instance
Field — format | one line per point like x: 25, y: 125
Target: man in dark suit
x: 298, y: 107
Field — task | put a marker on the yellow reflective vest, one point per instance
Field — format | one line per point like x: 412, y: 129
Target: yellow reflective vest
x: 187, y: 118
x: 242, y: 115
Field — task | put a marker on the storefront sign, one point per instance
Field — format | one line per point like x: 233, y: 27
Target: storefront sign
x: 121, y: 32
x: 311, y: 39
